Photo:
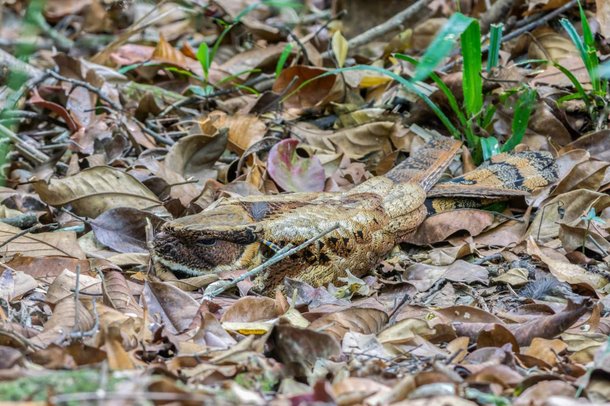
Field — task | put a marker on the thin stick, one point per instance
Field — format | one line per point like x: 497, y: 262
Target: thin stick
x: 87, y: 86
x: 30, y: 152
x: 76, y: 331
x: 382, y: 29
x: 287, y: 251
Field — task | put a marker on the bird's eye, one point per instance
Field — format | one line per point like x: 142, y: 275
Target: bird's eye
x: 207, y: 241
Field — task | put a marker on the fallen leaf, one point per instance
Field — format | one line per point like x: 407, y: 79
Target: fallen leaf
x: 359, y: 320
x: 59, y: 243
x: 292, y: 172
x: 96, y: 190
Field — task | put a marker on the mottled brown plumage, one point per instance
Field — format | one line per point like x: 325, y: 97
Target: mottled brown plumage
x: 372, y: 218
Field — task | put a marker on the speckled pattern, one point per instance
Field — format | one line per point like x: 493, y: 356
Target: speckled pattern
x: 372, y: 218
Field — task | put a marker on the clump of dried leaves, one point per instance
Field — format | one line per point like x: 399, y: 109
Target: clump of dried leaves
x: 119, y: 124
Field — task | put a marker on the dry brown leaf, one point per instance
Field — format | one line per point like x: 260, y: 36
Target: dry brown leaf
x: 423, y: 276
x: 118, y: 358
x: 244, y: 130
x: 539, y: 393
x: 96, y: 190
x: 243, y: 63
x: 439, y: 227
x: 118, y: 295
x: 404, y: 331
x: 357, y: 142
x: 13, y: 284
x: 317, y: 93
x: 175, y: 308
x: 249, y: 308
x: 59, y: 243
x: 299, y: 349
x: 565, y: 271
x: 62, y: 322
x: 495, y: 335
x: 65, y: 284
x: 195, y: 155
x: 546, y: 350
x: 359, y: 320
x: 555, y: 46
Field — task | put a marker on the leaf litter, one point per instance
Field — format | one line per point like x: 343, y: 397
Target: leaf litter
x: 120, y: 120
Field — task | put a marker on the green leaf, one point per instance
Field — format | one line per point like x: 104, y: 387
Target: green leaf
x: 577, y: 85
x: 283, y: 58
x: 587, y: 50
x: 523, y: 111
x: 489, y: 147
x: 495, y: 42
x: 203, y: 56
x: 442, y: 44
x: 472, y: 82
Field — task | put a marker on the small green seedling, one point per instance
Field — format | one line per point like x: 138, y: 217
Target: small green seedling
x: 589, y: 218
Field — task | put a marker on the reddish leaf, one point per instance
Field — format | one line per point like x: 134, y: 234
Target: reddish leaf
x: 292, y: 172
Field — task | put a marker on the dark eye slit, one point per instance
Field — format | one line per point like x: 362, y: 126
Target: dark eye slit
x: 207, y: 241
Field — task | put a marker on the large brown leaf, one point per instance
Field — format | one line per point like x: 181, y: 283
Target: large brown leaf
x: 355, y: 320
x: 60, y: 243
x: 96, y: 190
x: 175, y: 308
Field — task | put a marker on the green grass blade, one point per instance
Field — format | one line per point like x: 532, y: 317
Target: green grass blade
x: 443, y: 88
x: 577, y: 85
x: 472, y: 82
x: 442, y: 44
x: 203, y: 56
x: 523, y: 111
x: 589, y: 42
x: 588, y: 53
x: 282, y: 59
x: 495, y: 42
x: 489, y: 147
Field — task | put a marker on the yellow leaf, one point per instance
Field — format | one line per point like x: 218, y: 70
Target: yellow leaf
x: 373, y: 81
x: 340, y: 48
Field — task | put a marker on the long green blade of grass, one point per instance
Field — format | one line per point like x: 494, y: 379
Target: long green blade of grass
x: 472, y: 82
x: 577, y: 85
x: 523, y: 111
x: 495, y: 43
x: 442, y: 44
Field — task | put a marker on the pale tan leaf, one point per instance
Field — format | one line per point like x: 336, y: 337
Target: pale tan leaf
x: 250, y: 308
x: 117, y: 294
x: 59, y: 243
x: 358, y: 320
x: 340, y: 48
x: 565, y: 271
x: 175, y: 308
x: 95, y: 190
x: 14, y: 284
x: 65, y: 284
x: 405, y: 330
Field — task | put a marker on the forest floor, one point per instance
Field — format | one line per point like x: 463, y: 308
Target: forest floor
x: 119, y: 116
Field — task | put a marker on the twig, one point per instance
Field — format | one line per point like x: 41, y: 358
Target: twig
x: 18, y: 65
x: 87, y: 86
x: 28, y: 151
x: 76, y: 300
x: 382, y: 29
x: 287, y: 251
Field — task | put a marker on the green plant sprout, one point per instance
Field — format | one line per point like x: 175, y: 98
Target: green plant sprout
x: 595, y: 101
x: 589, y: 218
